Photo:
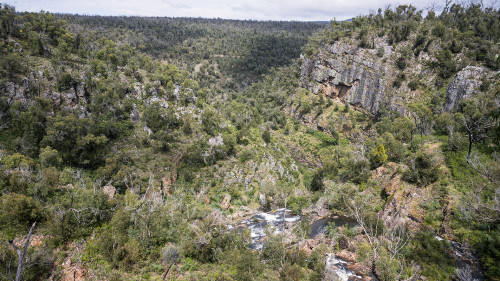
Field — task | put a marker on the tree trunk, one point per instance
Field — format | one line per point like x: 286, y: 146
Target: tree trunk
x: 470, y: 148
x: 168, y: 269
x: 411, y: 137
x: 21, y: 255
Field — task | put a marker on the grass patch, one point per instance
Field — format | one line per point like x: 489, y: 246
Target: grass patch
x: 325, y: 139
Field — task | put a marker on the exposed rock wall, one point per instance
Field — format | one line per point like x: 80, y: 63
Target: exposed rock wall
x: 463, y: 85
x: 360, y: 77
x: 349, y: 74
x: 75, y: 98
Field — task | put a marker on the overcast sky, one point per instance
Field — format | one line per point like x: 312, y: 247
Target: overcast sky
x: 300, y: 10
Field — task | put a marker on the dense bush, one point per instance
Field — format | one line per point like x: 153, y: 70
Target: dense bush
x: 422, y: 169
x: 433, y: 256
x: 18, y: 213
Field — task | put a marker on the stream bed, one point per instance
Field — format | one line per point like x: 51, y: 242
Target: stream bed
x: 282, y: 219
x: 276, y: 220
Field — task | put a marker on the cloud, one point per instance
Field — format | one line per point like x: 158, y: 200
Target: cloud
x: 312, y: 10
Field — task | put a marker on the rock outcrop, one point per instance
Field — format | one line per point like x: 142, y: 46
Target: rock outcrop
x: 349, y: 74
x: 109, y: 190
x: 226, y: 202
x: 463, y: 85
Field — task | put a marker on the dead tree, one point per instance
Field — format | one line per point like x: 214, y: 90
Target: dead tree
x: 170, y: 257
x: 21, y: 254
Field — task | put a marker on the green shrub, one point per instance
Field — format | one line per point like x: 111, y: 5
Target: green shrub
x: 356, y: 170
x: 18, y: 213
x: 401, y: 63
x: 422, y: 170
x: 266, y: 136
x: 380, y: 52
x: 245, y: 156
x: 274, y: 251
x: 396, y: 151
x: 292, y: 272
x: 296, y: 204
x: 325, y: 139
x: 413, y: 85
x: 432, y: 255
x: 66, y: 82
x: 17, y: 160
x: 439, y: 30
x: 49, y: 157
x: 347, y: 107
x: 317, y: 181
x: 378, y: 155
x: 248, y: 265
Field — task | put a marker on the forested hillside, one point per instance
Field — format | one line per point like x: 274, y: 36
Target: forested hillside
x: 240, y: 50
x: 207, y: 149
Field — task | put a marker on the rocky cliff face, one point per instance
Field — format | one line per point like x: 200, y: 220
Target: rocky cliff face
x: 75, y: 98
x: 463, y: 85
x: 350, y: 74
x: 364, y: 79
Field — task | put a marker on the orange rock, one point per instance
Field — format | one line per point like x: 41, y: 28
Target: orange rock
x: 358, y: 268
x: 380, y: 171
x: 166, y: 182
x: 109, y: 190
x: 393, y: 185
x: 226, y: 202
x: 347, y: 256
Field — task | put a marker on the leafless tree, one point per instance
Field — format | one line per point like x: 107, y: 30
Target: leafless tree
x: 432, y: 6
x: 390, y: 240
x: 21, y: 254
x: 464, y: 274
x: 447, y: 4
x: 397, y: 238
x: 486, y: 210
x: 453, y: 137
x: 170, y: 256
x: 484, y: 169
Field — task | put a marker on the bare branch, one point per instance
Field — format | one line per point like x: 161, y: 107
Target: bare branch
x: 21, y: 255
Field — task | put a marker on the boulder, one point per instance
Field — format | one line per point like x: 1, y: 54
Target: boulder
x: 216, y: 141
x: 347, y: 256
x: 109, y: 190
x: 358, y: 269
x: 80, y: 90
x: 308, y: 245
x: 135, y: 115
x: 262, y: 199
x: 343, y: 243
x: 68, y: 186
x: 226, y: 202
x: 323, y: 213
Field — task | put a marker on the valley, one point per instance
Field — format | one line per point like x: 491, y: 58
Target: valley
x: 155, y: 148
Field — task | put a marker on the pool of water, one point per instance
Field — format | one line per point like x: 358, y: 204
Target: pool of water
x: 319, y: 226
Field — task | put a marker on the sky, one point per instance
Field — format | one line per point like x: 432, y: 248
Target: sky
x: 298, y: 10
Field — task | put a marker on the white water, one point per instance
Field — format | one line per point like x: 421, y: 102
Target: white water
x: 274, y: 220
x: 338, y: 268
